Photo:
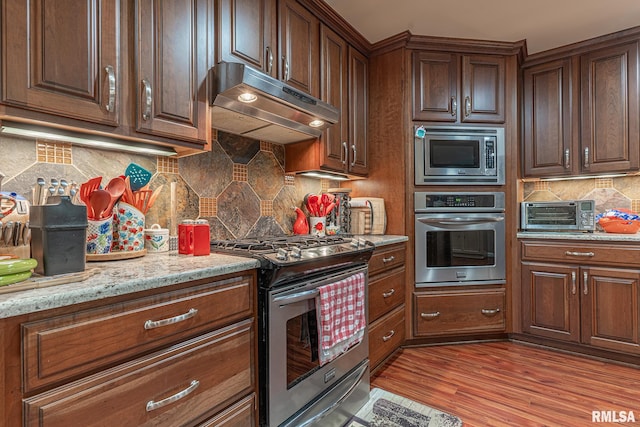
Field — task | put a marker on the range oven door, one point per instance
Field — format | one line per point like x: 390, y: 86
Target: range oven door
x: 300, y: 391
x: 459, y: 248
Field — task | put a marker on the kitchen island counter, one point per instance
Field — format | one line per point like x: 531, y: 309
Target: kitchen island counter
x: 114, y: 278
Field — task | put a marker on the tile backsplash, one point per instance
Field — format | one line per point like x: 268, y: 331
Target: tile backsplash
x: 240, y: 186
x: 608, y: 193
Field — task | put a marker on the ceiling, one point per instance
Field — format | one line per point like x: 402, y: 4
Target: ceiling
x: 544, y: 24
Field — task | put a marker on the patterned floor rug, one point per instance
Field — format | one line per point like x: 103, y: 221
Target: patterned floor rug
x: 386, y: 409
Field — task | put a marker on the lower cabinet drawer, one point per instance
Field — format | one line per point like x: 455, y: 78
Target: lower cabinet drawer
x: 186, y: 383
x: 459, y: 312
x: 385, y: 336
x: 386, y: 292
x: 240, y: 414
x: 61, y: 348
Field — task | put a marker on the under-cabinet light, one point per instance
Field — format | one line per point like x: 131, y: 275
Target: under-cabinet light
x: 33, y: 131
x: 325, y: 175
x: 574, y: 178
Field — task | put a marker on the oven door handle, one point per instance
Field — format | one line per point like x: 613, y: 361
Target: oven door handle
x: 462, y: 220
x: 339, y: 401
x: 297, y: 297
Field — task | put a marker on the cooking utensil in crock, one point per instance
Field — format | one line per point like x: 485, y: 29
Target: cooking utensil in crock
x: 100, y: 200
x: 116, y: 188
x: 139, y: 176
x: 86, y: 188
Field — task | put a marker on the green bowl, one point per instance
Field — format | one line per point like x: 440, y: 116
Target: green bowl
x: 14, y: 278
x: 13, y: 266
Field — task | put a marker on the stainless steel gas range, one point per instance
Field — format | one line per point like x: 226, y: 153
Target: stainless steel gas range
x: 296, y: 389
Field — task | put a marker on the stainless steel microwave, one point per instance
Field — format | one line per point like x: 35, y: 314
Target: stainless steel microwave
x: 459, y: 156
x: 567, y: 215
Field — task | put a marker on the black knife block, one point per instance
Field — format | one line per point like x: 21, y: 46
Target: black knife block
x: 58, y: 236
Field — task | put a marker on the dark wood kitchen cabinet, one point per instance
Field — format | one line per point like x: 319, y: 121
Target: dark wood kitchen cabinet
x: 128, y: 70
x: 298, y: 47
x: 581, y: 113
x: 183, y: 356
x: 582, y: 293
x: 172, y: 61
x: 246, y: 33
x: 63, y: 58
x: 386, y: 302
x: 458, y: 88
x: 460, y: 310
x: 344, y: 84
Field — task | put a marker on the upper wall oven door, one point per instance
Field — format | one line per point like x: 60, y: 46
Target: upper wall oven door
x: 459, y: 248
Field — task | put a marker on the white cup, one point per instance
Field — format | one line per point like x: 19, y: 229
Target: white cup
x: 317, y: 225
x: 156, y: 239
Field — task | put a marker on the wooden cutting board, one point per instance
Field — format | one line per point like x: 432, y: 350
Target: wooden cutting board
x: 37, y: 281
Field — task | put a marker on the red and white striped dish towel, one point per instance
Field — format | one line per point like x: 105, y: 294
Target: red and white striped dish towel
x: 341, y: 312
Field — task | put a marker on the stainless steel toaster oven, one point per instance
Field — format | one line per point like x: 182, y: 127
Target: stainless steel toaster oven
x: 566, y: 215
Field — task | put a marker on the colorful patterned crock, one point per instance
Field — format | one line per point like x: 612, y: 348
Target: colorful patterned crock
x: 128, y: 228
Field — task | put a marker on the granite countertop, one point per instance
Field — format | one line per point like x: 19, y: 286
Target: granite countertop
x: 596, y: 236
x: 113, y: 278
x: 154, y: 270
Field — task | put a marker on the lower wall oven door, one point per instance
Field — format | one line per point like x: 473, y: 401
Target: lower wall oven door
x: 300, y: 391
x: 459, y: 247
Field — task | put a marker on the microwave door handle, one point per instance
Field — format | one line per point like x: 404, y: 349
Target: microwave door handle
x: 461, y: 220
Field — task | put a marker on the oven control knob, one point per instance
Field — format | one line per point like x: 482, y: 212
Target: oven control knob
x: 282, y: 254
x: 296, y: 252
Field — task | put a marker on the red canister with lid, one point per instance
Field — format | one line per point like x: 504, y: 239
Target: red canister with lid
x: 201, y: 241
x: 186, y: 237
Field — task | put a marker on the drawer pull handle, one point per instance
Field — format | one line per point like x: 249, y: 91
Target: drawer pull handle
x: 573, y: 253
x: 490, y: 312
x: 386, y: 260
x: 430, y: 316
x: 152, y: 324
x: 388, y: 294
x: 388, y: 336
x: 151, y: 405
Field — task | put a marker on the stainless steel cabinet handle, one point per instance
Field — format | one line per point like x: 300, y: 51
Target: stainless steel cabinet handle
x: 388, y: 336
x: 586, y: 157
x: 388, y: 293
x: 585, y: 283
x: 454, y: 106
x: 286, y: 68
x: 345, y: 153
x: 490, y: 312
x: 269, y: 60
x: 572, y: 253
x: 147, y: 99
x: 467, y: 106
x: 430, y: 316
x: 386, y: 260
x: 152, y: 324
x: 111, y: 79
x: 573, y: 283
x: 152, y: 405
x: 355, y: 154
x: 567, y: 163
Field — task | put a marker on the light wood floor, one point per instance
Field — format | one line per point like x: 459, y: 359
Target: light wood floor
x: 511, y: 384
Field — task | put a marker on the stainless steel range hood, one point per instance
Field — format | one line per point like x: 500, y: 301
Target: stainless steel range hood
x: 273, y: 111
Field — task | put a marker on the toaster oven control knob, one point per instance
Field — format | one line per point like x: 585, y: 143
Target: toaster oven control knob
x: 282, y: 254
x: 296, y: 252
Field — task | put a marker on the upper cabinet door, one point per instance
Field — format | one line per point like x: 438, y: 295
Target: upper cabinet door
x: 435, y: 91
x: 61, y: 58
x: 247, y: 33
x: 610, y: 135
x: 550, y: 134
x: 172, y: 63
x: 483, y: 82
x: 334, y: 90
x: 299, y: 45
x: 358, y: 112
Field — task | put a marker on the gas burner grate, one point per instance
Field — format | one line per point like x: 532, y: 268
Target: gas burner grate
x: 273, y: 243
